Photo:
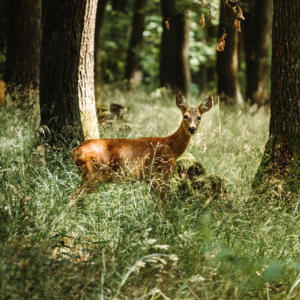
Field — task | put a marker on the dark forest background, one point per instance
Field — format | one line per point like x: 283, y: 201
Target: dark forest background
x: 135, y: 46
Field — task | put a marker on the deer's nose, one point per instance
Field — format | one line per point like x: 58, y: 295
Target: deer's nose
x: 192, y: 129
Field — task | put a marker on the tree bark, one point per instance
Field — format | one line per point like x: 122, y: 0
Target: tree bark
x: 3, y: 34
x: 87, y: 103
x: 206, y: 77
x: 174, y: 57
x: 227, y: 61
x: 136, y: 39
x: 67, y: 97
x: 281, y: 160
x: 119, y: 4
x: 22, y: 67
x: 258, y: 46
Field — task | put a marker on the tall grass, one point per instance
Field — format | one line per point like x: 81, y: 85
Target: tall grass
x: 119, y: 243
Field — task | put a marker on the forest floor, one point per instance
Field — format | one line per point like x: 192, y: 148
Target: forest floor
x: 119, y: 243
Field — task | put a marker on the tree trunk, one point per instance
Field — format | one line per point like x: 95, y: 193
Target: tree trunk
x: 281, y: 160
x: 136, y: 39
x: 205, y: 78
x: 211, y: 33
x: 87, y: 103
x: 227, y: 61
x: 119, y: 4
x: 67, y: 97
x: 99, y: 21
x: 22, y: 67
x: 174, y: 57
x: 258, y: 46
x: 3, y: 34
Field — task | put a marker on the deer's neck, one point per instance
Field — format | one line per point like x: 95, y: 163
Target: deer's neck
x: 179, y: 141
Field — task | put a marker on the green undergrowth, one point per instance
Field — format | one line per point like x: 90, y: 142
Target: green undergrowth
x: 124, y: 243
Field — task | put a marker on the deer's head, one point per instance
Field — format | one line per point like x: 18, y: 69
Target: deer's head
x: 192, y: 116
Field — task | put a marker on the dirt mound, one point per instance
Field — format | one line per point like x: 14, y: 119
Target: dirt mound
x: 192, y: 181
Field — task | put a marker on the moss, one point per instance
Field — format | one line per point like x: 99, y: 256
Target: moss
x: 184, y: 162
x: 216, y: 184
x: 196, y: 169
x: 185, y: 189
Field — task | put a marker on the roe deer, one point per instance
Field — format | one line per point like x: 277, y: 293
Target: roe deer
x: 150, y: 158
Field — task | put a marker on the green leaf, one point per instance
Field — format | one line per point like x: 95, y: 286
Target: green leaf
x: 273, y: 271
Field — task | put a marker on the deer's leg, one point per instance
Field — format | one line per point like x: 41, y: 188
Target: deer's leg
x: 90, y: 183
x: 161, y: 186
x: 167, y: 174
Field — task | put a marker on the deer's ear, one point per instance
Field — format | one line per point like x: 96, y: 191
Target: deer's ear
x: 205, y: 105
x: 181, y: 102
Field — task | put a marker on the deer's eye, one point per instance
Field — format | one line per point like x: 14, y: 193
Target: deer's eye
x: 199, y: 118
x: 185, y: 117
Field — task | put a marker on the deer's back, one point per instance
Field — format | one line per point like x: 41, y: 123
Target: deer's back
x: 130, y: 156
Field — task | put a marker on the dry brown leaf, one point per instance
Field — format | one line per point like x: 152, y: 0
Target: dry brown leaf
x: 240, y: 14
x: 221, y: 43
x: 237, y: 25
x: 202, y: 21
x: 234, y: 9
x: 167, y: 24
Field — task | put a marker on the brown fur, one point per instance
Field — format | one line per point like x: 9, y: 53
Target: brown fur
x: 2, y: 92
x: 150, y: 158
